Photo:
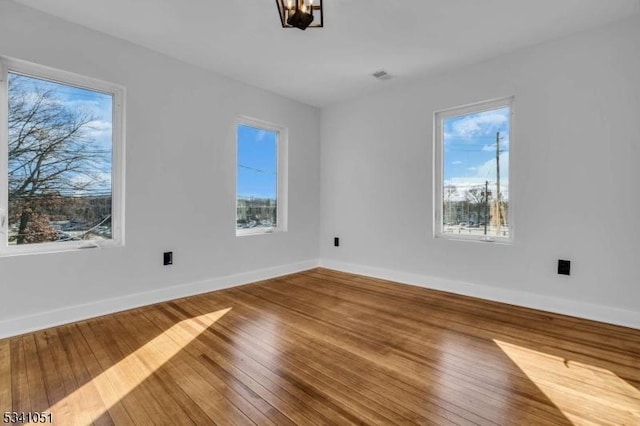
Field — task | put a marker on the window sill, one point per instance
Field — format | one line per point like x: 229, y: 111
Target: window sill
x: 257, y: 231
x: 72, y: 246
x: 475, y: 239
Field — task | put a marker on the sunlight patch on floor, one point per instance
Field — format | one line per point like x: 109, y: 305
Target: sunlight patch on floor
x: 585, y: 394
x: 122, y: 378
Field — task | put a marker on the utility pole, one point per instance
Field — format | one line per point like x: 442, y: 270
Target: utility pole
x: 486, y: 205
x: 498, y: 209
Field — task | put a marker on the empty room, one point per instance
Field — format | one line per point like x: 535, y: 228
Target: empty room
x: 320, y: 212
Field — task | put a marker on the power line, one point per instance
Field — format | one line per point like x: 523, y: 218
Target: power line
x: 257, y: 170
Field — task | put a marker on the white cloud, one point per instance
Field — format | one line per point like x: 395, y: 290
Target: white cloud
x: 31, y: 98
x: 98, y: 128
x: 456, y: 163
x: 488, y: 169
x: 504, y: 145
x: 483, y: 173
x: 480, y: 124
x: 99, y: 125
x: 99, y: 182
x: 463, y: 183
x: 260, y: 135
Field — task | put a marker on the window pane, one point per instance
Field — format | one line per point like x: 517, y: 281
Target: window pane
x: 60, y: 162
x: 257, y: 181
x: 475, y: 193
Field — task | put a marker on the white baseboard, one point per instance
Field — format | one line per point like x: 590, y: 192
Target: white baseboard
x: 573, y: 308
x: 43, y: 320
x: 26, y: 324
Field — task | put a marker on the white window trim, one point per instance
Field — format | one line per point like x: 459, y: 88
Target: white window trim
x: 282, y: 170
x: 118, y: 156
x: 438, y: 168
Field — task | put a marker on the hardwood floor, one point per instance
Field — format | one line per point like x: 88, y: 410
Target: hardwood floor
x: 323, y: 347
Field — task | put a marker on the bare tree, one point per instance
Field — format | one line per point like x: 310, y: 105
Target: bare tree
x: 449, y: 193
x: 50, y: 154
x: 476, y: 196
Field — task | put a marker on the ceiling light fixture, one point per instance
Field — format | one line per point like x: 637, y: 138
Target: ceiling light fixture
x: 381, y: 75
x: 300, y: 14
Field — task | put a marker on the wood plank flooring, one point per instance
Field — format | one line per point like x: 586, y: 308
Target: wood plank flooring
x: 323, y: 347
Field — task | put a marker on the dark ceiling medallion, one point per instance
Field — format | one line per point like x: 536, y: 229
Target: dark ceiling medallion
x: 300, y: 14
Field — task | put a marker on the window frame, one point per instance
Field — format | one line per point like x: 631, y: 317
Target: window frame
x: 282, y: 181
x: 9, y: 65
x: 438, y: 168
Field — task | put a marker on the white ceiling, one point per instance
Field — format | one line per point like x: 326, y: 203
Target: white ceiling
x: 243, y: 39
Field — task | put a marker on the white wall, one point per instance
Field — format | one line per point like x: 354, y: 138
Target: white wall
x: 574, y: 151
x: 180, y: 188
x: 575, y: 184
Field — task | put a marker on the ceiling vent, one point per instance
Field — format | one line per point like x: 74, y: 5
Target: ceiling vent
x: 381, y: 75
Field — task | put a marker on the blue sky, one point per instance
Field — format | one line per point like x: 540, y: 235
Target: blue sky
x: 257, y: 162
x: 470, y: 148
x: 98, y: 105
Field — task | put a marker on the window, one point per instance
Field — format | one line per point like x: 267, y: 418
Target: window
x: 61, y: 152
x: 472, y: 199
x: 260, y: 177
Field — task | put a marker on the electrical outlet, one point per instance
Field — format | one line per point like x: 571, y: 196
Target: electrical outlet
x: 336, y: 242
x: 564, y: 267
x: 168, y: 258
